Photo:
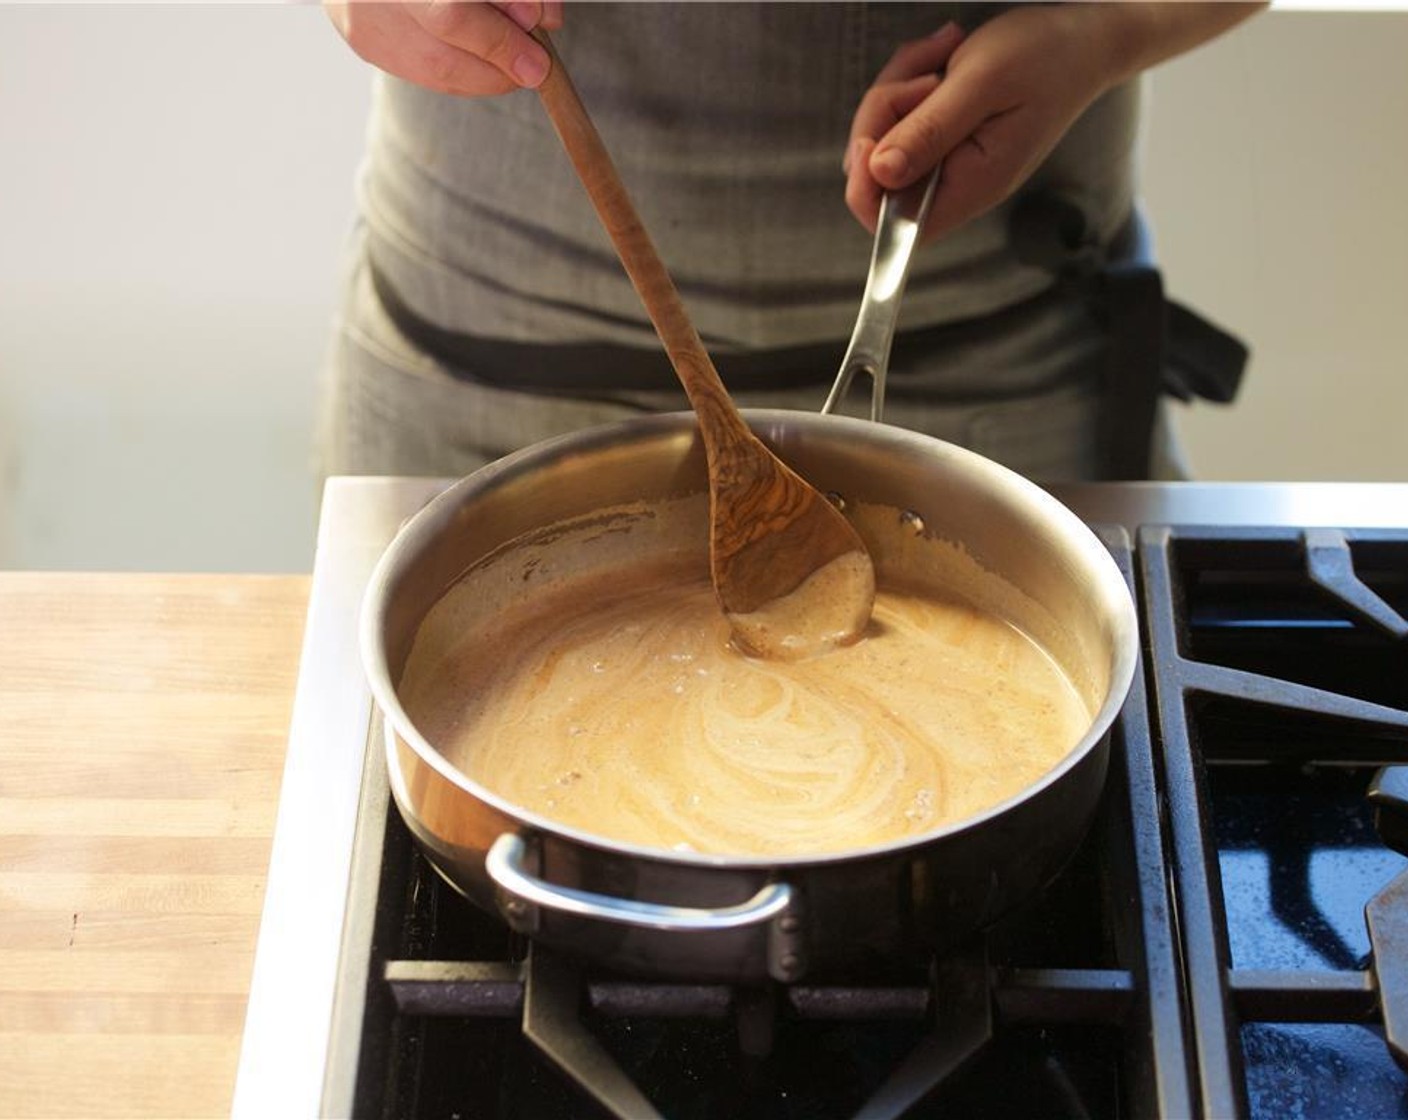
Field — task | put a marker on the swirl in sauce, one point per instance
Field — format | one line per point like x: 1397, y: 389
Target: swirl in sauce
x: 616, y: 705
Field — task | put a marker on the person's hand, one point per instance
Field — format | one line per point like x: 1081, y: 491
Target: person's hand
x: 1008, y: 93
x: 469, y: 49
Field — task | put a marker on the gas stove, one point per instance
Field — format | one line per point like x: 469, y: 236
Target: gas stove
x: 1231, y: 939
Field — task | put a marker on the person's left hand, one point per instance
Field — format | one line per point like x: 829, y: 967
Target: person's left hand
x: 1007, y: 94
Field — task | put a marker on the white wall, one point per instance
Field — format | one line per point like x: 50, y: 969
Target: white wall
x: 176, y: 183
x: 1277, y: 175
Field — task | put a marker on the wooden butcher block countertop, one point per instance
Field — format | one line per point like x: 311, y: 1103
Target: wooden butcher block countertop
x: 145, y: 719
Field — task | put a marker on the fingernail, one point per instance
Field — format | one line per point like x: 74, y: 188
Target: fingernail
x: 525, y: 15
x: 944, y: 30
x: 530, y: 70
x: 891, y: 163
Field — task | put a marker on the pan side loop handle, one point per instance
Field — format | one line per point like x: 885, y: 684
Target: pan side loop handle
x: 902, y: 217
x: 505, y: 864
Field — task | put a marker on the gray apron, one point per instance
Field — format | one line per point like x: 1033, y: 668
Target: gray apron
x: 484, y: 310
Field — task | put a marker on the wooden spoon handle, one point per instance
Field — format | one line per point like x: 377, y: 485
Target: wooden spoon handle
x: 718, y: 417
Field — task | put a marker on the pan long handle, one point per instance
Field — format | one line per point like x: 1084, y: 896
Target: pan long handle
x: 505, y: 865
x: 902, y: 217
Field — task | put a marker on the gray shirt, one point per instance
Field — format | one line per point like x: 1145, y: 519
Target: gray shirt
x: 728, y: 123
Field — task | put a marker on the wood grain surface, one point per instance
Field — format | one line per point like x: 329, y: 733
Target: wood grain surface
x: 145, y: 722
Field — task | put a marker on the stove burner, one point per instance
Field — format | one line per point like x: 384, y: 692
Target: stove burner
x: 1251, y: 799
x: 552, y: 998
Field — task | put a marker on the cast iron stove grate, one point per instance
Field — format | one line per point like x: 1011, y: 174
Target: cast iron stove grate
x: 1280, y: 684
x: 1083, y: 1004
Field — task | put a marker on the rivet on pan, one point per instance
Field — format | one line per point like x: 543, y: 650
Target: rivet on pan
x: 789, y: 964
x: 516, y: 908
x: 836, y: 500
x: 789, y: 924
x: 912, y: 521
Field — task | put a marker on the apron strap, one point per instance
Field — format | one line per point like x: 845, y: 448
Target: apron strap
x: 1131, y: 299
x: 1156, y: 345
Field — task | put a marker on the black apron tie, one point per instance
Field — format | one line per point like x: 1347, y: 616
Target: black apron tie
x: 1156, y: 345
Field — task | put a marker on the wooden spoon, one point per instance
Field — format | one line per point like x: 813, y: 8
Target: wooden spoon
x: 789, y: 571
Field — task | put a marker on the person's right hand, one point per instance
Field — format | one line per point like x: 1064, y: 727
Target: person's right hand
x: 469, y: 49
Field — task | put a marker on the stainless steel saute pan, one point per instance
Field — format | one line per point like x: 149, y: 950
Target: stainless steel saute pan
x: 664, y: 912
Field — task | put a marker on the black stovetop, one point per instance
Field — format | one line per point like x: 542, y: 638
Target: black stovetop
x: 1205, y: 953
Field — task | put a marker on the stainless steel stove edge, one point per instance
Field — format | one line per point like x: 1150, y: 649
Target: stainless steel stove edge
x: 288, y: 1019
x: 1346, y: 505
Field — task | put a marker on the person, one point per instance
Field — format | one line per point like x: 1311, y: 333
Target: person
x: 484, y: 310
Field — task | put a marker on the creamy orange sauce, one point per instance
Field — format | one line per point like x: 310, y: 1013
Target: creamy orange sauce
x: 615, y: 704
